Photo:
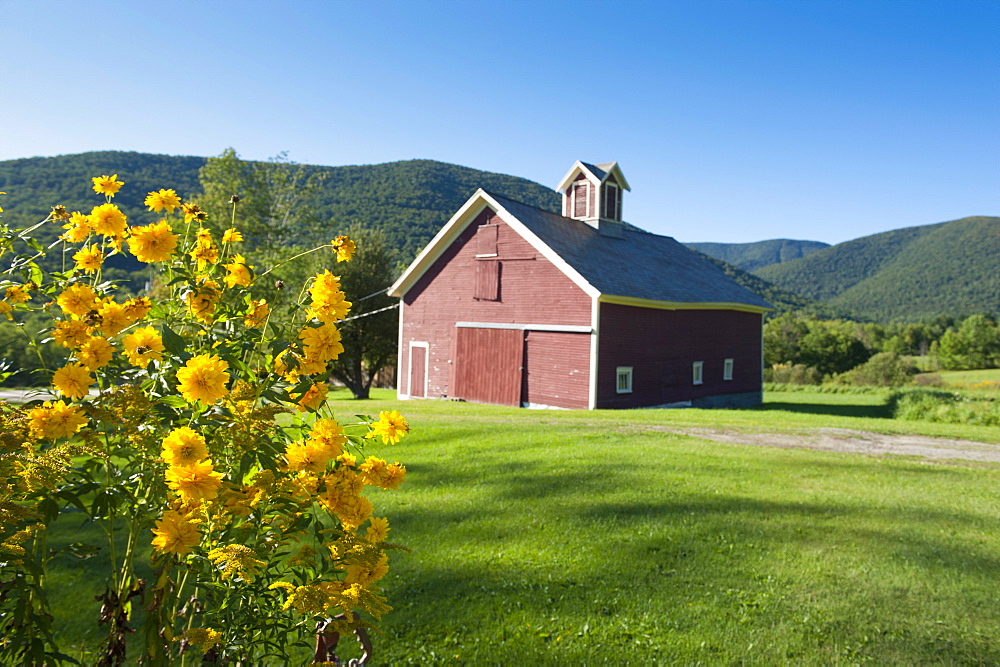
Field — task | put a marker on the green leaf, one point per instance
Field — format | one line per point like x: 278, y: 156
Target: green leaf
x: 173, y: 342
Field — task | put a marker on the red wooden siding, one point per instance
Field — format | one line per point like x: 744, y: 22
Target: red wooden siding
x: 487, y: 280
x: 662, y: 345
x: 557, y: 369
x: 418, y: 371
x: 531, y: 290
x: 488, y: 365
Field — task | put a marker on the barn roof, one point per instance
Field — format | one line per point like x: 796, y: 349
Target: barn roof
x: 639, y: 265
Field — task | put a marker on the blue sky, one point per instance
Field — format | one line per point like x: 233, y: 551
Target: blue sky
x: 734, y: 121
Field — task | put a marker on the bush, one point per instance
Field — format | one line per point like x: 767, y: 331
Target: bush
x: 950, y: 407
x: 792, y: 374
x: 886, y: 369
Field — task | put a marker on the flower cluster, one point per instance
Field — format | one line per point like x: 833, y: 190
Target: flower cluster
x: 203, y: 421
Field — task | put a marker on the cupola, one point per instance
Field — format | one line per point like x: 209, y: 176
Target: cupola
x: 593, y: 194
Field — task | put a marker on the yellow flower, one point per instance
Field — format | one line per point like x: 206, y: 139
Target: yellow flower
x: 59, y: 212
x: 328, y: 304
x: 306, y: 456
x: 195, y: 482
x: 70, y: 333
x: 153, y: 243
x: 321, y: 343
x: 5, y: 309
x: 78, y: 228
x: 193, y: 212
x: 55, y: 420
x: 344, y: 247
x: 236, y: 560
x: 137, y: 308
x: 176, y: 533
x: 107, y: 185
x: 95, y: 353
x: 204, y: 254
x: 329, y: 434
x: 204, y: 639
x: 391, y: 426
x: 108, y: 220
x: 378, y: 530
x: 374, y: 470
x: 163, y: 200
x: 394, y: 476
x: 203, y: 378
x: 72, y: 380
x: 313, y: 398
x: 113, y: 317
x: 257, y: 314
x: 78, y: 299
x: 367, y: 574
x: 202, y: 299
x: 239, y: 272
x: 18, y: 293
x: 89, y: 258
x: 184, y: 446
x: 142, y: 346
x: 231, y: 235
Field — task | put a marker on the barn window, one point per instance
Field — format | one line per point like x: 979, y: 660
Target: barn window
x: 727, y: 369
x: 612, y: 202
x: 696, y: 372
x: 581, y: 199
x: 487, y: 280
x: 486, y: 240
x: 624, y: 383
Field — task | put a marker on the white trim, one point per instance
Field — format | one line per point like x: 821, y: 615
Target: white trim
x: 399, y: 352
x: 698, y: 372
x: 409, y: 370
x: 566, y: 328
x: 595, y: 323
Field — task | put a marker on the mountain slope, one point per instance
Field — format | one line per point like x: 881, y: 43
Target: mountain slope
x: 753, y: 256
x: 908, y: 274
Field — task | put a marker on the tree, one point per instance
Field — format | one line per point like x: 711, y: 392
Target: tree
x: 976, y: 344
x: 274, y: 208
x: 370, y: 334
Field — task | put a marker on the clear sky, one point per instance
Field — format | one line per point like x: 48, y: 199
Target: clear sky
x: 734, y: 120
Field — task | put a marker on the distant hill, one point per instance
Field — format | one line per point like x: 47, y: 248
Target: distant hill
x: 754, y: 256
x: 408, y: 200
x: 909, y: 274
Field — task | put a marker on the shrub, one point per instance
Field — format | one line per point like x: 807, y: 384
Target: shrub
x: 951, y: 407
x: 885, y: 369
x: 792, y: 374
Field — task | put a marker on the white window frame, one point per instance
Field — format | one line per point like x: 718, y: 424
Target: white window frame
x: 623, y: 380
x: 698, y: 372
x: 604, y: 203
x: 727, y: 370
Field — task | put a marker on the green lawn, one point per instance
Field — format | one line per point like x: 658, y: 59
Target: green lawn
x: 554, y: 537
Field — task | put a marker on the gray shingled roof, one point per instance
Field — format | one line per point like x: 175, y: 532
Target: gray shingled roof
x: 640, y: 265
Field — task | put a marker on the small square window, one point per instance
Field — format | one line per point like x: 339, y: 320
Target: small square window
x: 623, y: 384
x: 727, y: 369
x: 696, y: 372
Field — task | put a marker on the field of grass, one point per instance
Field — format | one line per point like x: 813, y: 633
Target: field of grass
x: 982, y: 378
x: 552, y: 537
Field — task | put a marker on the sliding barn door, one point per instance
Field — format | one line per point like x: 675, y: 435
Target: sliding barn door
x: 488, y: 365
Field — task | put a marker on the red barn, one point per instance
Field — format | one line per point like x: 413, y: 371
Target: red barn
x: 514, y: 305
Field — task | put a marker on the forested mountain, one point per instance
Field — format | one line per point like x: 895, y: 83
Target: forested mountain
x: 753, y: 256
x: 910, y: 274
x: 409, y: 200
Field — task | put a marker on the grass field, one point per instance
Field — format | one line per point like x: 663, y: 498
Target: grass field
x: 987, y: 378
x: 554, y: 537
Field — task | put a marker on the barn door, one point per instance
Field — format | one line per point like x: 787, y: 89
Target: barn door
x: 488, y: 365
x: 418, y: 371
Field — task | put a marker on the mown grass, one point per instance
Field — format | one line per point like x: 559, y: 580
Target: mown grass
x: 603, y: 537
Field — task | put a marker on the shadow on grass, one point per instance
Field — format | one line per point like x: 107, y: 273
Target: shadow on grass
x: 865, y: 411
